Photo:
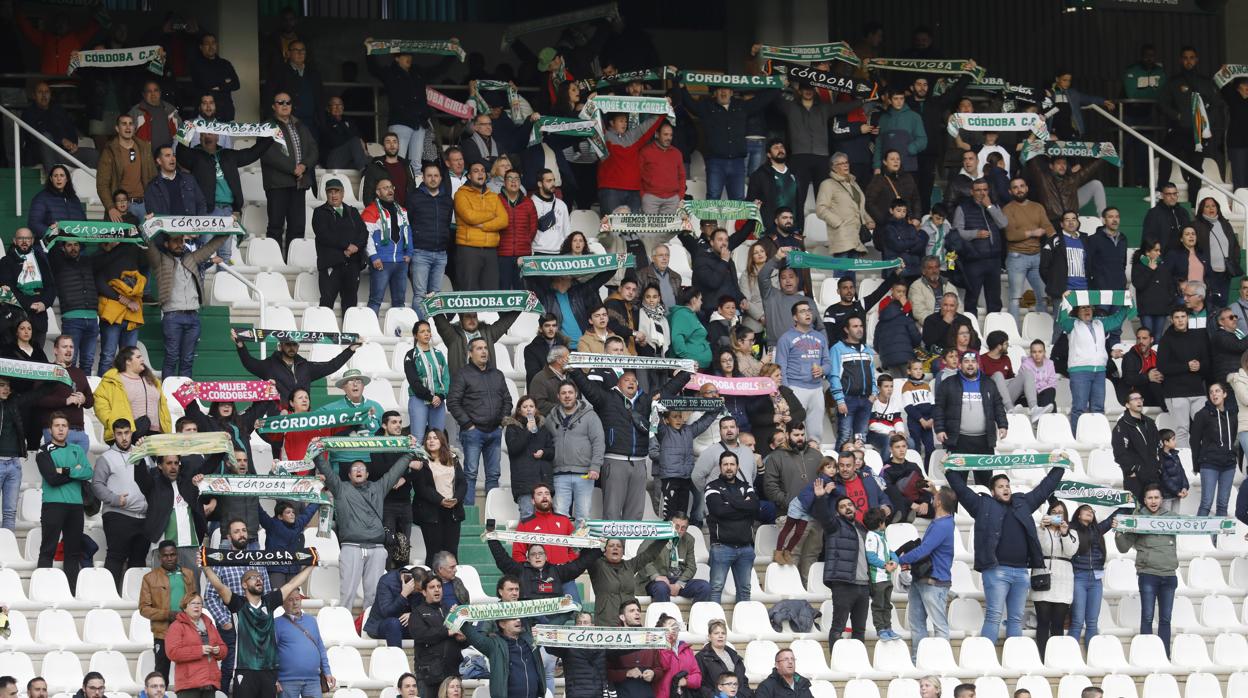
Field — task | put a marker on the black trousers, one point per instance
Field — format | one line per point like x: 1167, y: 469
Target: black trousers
x: 1179, y: 142
x: 925, y: 179
x: 253, y: 683
x: 57, y: 521
x: 397, y: 518
x: 443, y: 535
x: 979, y: 445
x: 676, y: 492
x: 985, y: 275
x: 810, y: 169
x: 342, y: 281
x: 162, y: 659
x: 127, y: 545
x: 476, y: 268
x: 1050, y: 622
x: 287, y: 214
x: 849, y: 602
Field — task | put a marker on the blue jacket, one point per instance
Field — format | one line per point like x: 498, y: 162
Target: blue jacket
x: 904, y: 241
x: 1090, y: 555
x: 989, y: 515
x: 896, y: 335
x: 853, y: 371
x: 158, y: 202
x: 282, y: 536
x: 1106, y: 263
x: 430, y: 217
x: 47, y: 208
x: 389, y: 602
x: 937, y: 545
x: 969, y: 217
x: 380, y: 244
x: 1173, y: 477
x: 294, y: 659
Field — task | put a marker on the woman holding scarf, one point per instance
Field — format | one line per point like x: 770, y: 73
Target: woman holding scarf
x: 428, y: 381
x: 224, y: 416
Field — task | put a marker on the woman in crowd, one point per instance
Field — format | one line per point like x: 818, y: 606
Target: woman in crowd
x: 295, y: 443
x: 772, y: 413
x: 1214, y: 457
x: 962, y: 338
x: 742, y: 339
x: 752, y: 317
x: 56, y: 202
x: 652, y: 322
x: 1152, y: 276
x: 574, y: 244
x: 725, y: 364
x: 21, y: 347
x: 516, y: 240
x: 1214, y: 234
x: 1188, y: 260
x: 452, y: 687
x: 284, y: 531
x: 196, y: 649
x: 428, y: 382
x: 1057, y: 544
x: 531, y: 449
x: 440, y: 486
x: 129, y: 390
x: 678, y: 667
x: 718, y: 657
x: 498, y: 174
x: 929, y: 687
x: 1239, y: 383
x: 1088, y: 563
x: 224, y: 416
x: 1041, y: 367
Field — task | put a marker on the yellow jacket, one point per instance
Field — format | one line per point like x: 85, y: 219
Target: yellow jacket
x: 112, y: 404
x: 130, y: 286
x: 479, y: 217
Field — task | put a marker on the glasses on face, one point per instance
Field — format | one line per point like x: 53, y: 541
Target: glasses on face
x: 282, y: 102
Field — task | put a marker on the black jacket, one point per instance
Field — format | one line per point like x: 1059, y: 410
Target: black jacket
x: 217, y: 78
x: 75, y: 280
x: 430, y: 216
x: 112, y: 264
x: 1054, y: 266
x: 715, y: 278
x: 202, y: 166
x: 731, y: 506
x: 375, y: 171
x: 527, y: 470
x: 947, y: 412
x: 1213, y: 437
x: 775, y: 687
x: 549, y: 580
x: 436, y: 654
x: 761, y: 186
x: 844, y: 544
x: 880, y: 196
x: 626, y: 425
x: 11, y: 266
x: 724, y: 129
x: 989, y: 515
x: 1154, y: 288
x: 158, y: 490
x: 1233, y: 253
x: 1225, y: 350
x: 478, y: 397
x: 1106, y: 260
x: 288, y: 377
x: 1163, y: 223
x: 405, y: 92
x: 334, y: 233
x: 584, y: 670
x: 934, y: 110
x: 1174, y: 351
x: 712, y: 667
x: 582, y: 296
x: 1136, y: 444
x: 1135, y: 378
x: 535, y: 353
x: 427, y: 505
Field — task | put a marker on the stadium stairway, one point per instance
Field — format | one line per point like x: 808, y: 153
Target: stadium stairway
x: 32, y: 182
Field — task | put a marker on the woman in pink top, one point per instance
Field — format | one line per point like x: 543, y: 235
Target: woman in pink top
x: 1188, y: 260
x: 1041, y: 366
x: 678, y: 661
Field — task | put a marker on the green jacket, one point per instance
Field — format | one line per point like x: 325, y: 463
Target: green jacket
x: 615, y: 582
x: 1155, y: 554
x: 689, y: 339
x: 662, y: 564
x: 495, y: 649
x: 63, y: 487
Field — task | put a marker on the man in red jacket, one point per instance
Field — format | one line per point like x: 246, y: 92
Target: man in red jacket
x: 619, y: 175
x: 662, y: 173
x: 545, y: 520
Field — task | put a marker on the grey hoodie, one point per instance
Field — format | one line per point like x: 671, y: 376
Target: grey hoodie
x: 580, y: 444
x: 114, y: 477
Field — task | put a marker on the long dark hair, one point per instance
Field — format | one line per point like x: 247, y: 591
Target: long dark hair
x: 68, y: 191
x: 1089, y: 536
x: 716, y: 368
x: 127, y: 353
x: 566, y: 247
x: 442, y: 455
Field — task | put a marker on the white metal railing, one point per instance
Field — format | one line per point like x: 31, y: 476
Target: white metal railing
x: 259, y: 296
x: 18, y: 127
x: 1162, y: 152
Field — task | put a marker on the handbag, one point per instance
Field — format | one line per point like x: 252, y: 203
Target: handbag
x: 1043, y: 581
x: 325, y: 689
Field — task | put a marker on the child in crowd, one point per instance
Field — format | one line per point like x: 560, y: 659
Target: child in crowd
x: 905, y: 484
x: 1039, y: 364
x: 916, y: 402
x: 936, y: 225
x: 799, y: 513
x: 672, y: 453
x: 1174, y: 483
x: 881, y: 562
x: 886, y: 415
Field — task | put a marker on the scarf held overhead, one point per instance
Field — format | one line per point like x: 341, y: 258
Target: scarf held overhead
x: 262, y: 129
x: 92, y: 232
x: 324, y: 418
x: 182, y: 445
x: 535, y: 538
x: 600, y: 637
x: 1074, y: 299
x: 375, y: 444
x: 256, y: 335
x: 805, y: 260
x: 449, y: 47
x: 723, y: 210
x: 513, y: 98
x: 956, y: 66
x: 192, y: 225
x: 811, y: 53
x: 481, y: 302
x: 1229, y: 73
x: 614, y: 104
x: 226, y: 391
x: 1096, y: 495
x: 733, y: 386
x: 1019, y: 121
x: 646, y: 223
x: 302, y: 489
x: 843, y: 84
x: 1072, y: 149
x: 505, y: 610
x: 735, y: 82
x: 632, y: 530
x: 609, y: 11
x: 579, y: 359
x: 575, y: 127
x: 446, y: 105
x: 303, y: 557
x: 574, y: 264
x: 1017, y: 461
x: 35, y: 371
x: 1176, y: 525
x: 151, y: 56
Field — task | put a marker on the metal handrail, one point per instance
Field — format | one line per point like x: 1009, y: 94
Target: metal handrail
x: 18, y: 127
x: 1152, y: 166
x: 259, y: 295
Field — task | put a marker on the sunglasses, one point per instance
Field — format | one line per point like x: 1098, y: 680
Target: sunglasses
x: 282, y: 102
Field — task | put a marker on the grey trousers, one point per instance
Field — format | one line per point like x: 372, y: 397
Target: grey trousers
x: 624, y: 488
x: 809, y: 548
x: 358, y: 563
x: 1181, y: 410
x: 656, y: 204
x: 1023, y: 384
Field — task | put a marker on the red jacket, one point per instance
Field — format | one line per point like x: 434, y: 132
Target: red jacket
x: 662, y: 171
x: 517, y: 239
x: 54, y: 49
x: 622, y: 168
x: 191, y: 667
x: 546, y: 523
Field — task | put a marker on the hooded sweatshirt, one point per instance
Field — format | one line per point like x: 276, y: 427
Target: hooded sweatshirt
x: 1213, y: 438
x: 114, y: 478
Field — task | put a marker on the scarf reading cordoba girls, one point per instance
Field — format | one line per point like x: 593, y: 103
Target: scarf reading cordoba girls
x: 446, y: 105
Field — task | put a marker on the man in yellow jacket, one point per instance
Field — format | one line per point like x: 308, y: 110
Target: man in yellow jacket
x: 480, y: 217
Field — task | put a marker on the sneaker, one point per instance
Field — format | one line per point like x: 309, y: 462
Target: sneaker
x: 889, y: 635
x: 1037, y: 411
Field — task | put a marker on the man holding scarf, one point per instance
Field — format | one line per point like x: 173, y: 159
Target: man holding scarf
x: 1185, y: 96
x: 25, y: 271
x: 724, y: 118
x: 932, y: 109
x: 389, y: 247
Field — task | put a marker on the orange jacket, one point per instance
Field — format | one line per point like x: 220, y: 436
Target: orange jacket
x: 480, y: 217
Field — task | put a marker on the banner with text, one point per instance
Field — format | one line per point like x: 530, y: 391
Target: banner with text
x: 449, y: 47
x: 35, y: 371
x: 1017, y: 461
x: 806, y: 260
x: 578, y: 359
x: 1176, y: 525
x: 1096, y: 495
x: 151, y: 56
x: 574, y: 264
x: 192, y: 225
x: 600, y: 637
x: 1017, y: 121
x: 303, y: 557
x: 482, y: 302
x: 844, y: 84
x: 257, y: 335
x: 503, y: 610
x: 734, y: 386
x: 96, y: 232
x: 323, y: 418
x: 226, y: 391
x: 735, y: 82
x: 182, y: 445
x: 811, y: 53
x: 535, y: 538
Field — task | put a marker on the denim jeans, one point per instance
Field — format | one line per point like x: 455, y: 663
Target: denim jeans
x: 10, y: 485
x: 86, y: 333
x: 756, y: 155
x: 392, y: 275
x: 1005, y: 592
x: 852, y: 422
x: 1087, y: 394
x: 1160, y: 591
x: 426, y: 269
x: 422, y: 416
x: 1022, y: 267
x: 181, y: 330
x: 226, y: 250
x: 1156, y: 324
x: 525, y: 505
x: 740, y: 561
x: 611, y: 199
x: 694, y: 590
x: 138, y: 208
x: 1086, y: 606
x: 301, y: 688
x: 481, y: 446
x: 574, y: 495
x: 76, y: 437
x: 1213, y: 479
x: 114, y: 337
x: 725, y: 174
x: 927, y: 601
x: 411, y: 142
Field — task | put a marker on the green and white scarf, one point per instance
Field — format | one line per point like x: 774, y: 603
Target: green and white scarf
x: 1176, y: 525
x: 606, y: 81
x: 7, y: 297
x: 736, y: 82
x: 1071, y: 149
x: 1229, y: 73
x: 806, y: 260
x: 1096, y: 495
x: 29, y: 275
x: 632, y: 530
x: 449, y: 47
x: 324, y: 418
x: 92, y: 232
x: 722, y: 209
x: 293, y: 467
x: 295, y: 489
x: 256, y: 335
x: 1074, y: 299
x: 590, y: 129
x: 481, y: 302
x: 119, y: 58
x: 641, y: 223
x: 812, y: 53
x: 599, y: 105
x: 260, y: 129
x: 303, y: 557
x: 574, y: 264
x: 504, y: 610
x: 1201, y: 131
x: 1018, y: 121
x: 608, y: 10
x: 373, y: 444
x: 535, y: 538
x: 35, y: 371
x: 956, y: 66
x: 843, y: 84
x: 578, y: 359
x: 182, y: 445
x: 192, y: 225
x: 600, y: 637
x: 513, y: 98
x: 1017, y: 461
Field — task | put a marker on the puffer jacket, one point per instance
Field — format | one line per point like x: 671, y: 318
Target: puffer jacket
x: 674, y: 662
x: 192, y: 669
x: 112, y: 404
x: 844, y: 545
x: 712, y: 666
x: 672, y: 449
x: 1090, y: 553
x: 517, y: 239
x: 526, y: 469
x: 430, y: 216
x: 896, y: 335
x: 130, y: 286
x: 1155, y: 554
x: 584, y: 670
x: 1135, y: 443
x: 546, y: 582
x: 1214, y: 438
x: 50, y: 207
x: 842, y: 205
x: 480, y: 217
x: 75, y: 280
x: 579, y: 443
